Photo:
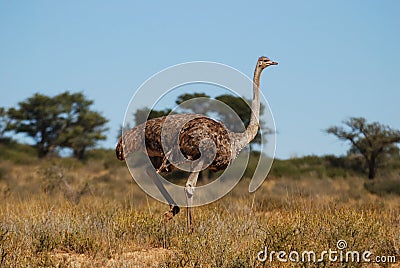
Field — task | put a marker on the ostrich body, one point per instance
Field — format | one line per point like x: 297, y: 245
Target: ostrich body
x: 194, y: 129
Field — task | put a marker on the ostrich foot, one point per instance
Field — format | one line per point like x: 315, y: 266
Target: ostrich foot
x: 173, y: 210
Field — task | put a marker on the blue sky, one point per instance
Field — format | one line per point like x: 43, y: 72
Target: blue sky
x: 336, y: 58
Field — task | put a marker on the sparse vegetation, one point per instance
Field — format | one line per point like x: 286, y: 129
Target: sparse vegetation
x: 93, y: 215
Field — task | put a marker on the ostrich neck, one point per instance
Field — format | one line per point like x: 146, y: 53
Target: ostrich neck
x: 252, y: 128
x: 240, y: 140
x: 255, y: 105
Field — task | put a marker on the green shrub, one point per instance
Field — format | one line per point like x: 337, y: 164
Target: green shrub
x: 383, y: 187
x: 18, y: 153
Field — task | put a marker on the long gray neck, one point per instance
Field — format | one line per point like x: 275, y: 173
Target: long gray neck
x: 252, y: 128
x: 241, y: 140
x: 255, y: 105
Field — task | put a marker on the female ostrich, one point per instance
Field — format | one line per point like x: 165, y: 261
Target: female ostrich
x: 194, y: 129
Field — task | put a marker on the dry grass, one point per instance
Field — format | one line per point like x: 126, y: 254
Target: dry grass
x: 84, y: 216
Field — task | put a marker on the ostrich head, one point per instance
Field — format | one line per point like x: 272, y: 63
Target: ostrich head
x: 264, y: 62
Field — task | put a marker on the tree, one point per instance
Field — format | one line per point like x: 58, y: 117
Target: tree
x: 140, y: 114
x: 37, y: 117
x: 3, y: 122
x: 202, y: 107
x: 83, y: 127
x: 64, y: 120
x: 83, y: 133
x: 372, y: 140
x: 241, y: 107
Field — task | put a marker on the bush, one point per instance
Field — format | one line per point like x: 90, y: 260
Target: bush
x: 18, y: 153
x: 383, y: 187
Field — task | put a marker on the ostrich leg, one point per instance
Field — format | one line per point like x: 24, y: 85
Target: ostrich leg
x: 189, y: 191
x: 174, y: 209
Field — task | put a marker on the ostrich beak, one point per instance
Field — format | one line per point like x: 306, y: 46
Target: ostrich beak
x: 274, y: 63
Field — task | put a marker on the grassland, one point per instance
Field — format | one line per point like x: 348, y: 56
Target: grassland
x: 65, y: 213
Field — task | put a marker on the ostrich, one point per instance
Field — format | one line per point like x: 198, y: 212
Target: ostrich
x: 194, y: 129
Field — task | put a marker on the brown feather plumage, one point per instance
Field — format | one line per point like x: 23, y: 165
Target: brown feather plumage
x: 196, y: 129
